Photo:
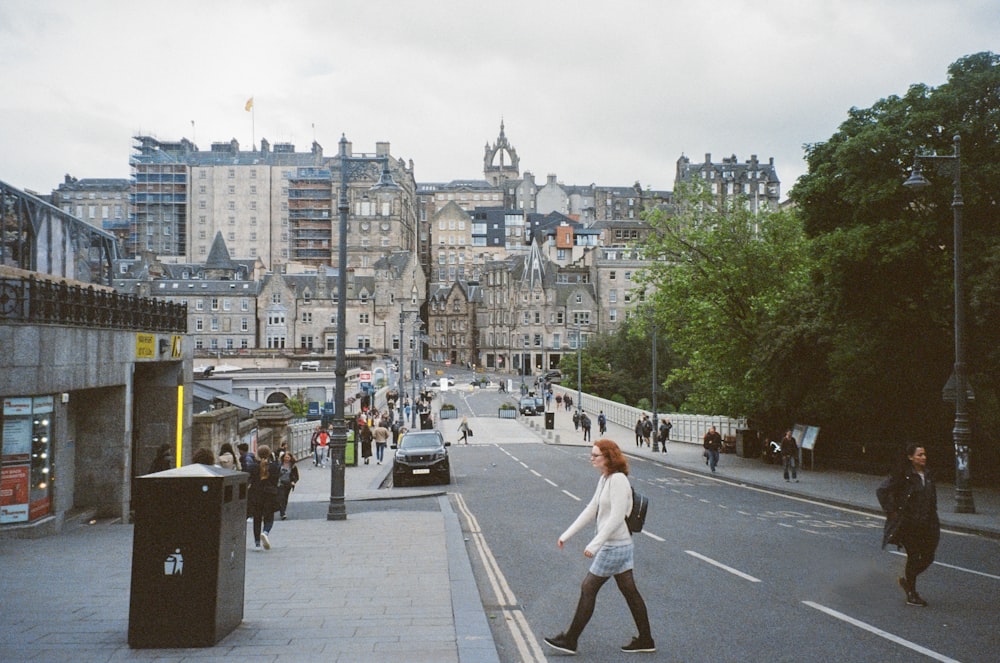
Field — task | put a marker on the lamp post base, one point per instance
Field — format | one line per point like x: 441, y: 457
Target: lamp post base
x: 963, y: 501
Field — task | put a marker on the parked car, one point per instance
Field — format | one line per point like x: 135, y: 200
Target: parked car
x: 421, y: 453
x: 528, y: 405
x: 554, y: 376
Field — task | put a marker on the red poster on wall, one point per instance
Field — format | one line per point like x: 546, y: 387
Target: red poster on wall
x: 14, y: 493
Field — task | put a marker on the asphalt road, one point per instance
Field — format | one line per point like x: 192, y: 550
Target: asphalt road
x: 729, y: 573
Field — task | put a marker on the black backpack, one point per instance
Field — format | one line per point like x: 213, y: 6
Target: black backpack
x: 636, y: 518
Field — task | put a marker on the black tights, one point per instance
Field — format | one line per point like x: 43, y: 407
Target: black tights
x: 588, y: 597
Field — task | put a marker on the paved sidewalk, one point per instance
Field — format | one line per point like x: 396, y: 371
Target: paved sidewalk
x: 392, y: 582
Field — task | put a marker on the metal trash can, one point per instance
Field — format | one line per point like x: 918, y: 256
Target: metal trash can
x: 550, y: 420
x: 188, y: 556
x: 426, y: 421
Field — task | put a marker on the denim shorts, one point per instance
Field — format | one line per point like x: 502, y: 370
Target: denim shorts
x: 612, y: 560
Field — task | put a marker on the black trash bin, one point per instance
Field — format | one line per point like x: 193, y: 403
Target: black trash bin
x: 747, y: 445
x: 188, y: 556
x: 550, y: 420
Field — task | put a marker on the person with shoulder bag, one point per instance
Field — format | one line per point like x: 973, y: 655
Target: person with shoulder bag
x: 611, y: 550
x: 909, y: 499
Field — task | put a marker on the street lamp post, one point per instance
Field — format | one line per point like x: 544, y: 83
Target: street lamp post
x: 337, y: 509
x: 961, y: 432
x: 656, y: 436
x: 579, y: 369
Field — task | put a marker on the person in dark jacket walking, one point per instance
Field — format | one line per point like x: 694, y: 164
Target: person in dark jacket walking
x: 713, y: 445
x: 288, y: 476
x: 262, y: 495
x: 909, y: 499
x: 366, y: 437
x: 790, y: 455
x: 585, y: 425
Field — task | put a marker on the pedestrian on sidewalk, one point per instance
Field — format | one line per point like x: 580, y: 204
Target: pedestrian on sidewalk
x: 665, y: 427
x: 647, y: 430
x: 602, y: 423
x: 322, y: 442
x: 228, y: 458
x: 464, y: 429
x: 713, y: 445
x: 638, y: 432
x: 909, y: 499
x: 611, y: 550
x: 246, y: 458
x: 576, y: 421
x: 366, y: 442
x: 381, y: 437
x: 585, y: 424
x: 288, y: 476
x: 164, y: 460
x: 790, y: 455
x: 262, y: 494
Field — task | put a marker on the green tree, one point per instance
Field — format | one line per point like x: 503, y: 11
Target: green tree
x: 880, y: 301
x: 618, y: 366
x: 297, y: 404
x: 721, y: 279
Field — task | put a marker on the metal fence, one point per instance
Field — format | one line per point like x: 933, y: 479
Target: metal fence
x: 42, y: 301
x: 689, y: 428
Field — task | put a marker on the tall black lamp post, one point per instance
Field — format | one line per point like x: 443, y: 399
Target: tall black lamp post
x: 656, y: 435
x: 961, y: 433
x: 349, y: 166
x: 579, y: 370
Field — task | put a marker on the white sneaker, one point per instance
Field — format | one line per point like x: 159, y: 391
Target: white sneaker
x: 265, y: 541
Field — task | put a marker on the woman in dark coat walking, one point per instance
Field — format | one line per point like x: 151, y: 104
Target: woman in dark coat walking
x: 909, y: 499
x: 262, y: 495
x: 366, y: 442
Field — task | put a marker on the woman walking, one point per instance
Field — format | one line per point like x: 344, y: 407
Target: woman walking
x: 262, y: 495
x: 611, y: 550
x: 288, y: 476
x: 366, y: 442
x: 910, y: 502
x: 464, y: 429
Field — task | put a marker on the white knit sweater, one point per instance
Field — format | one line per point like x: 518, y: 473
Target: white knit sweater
x: 611, y: 502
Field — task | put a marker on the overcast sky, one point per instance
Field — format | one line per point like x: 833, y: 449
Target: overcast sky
x: 593, y: 92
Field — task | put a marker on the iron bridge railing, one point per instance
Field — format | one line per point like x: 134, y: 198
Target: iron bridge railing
x: 59, y: 303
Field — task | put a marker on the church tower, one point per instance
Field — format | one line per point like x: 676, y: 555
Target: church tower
x: 500, y: 163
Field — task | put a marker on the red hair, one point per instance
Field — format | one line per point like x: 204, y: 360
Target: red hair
x: 617, y: 462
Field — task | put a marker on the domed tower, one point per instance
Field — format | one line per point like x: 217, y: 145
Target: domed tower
x: 500, y: 163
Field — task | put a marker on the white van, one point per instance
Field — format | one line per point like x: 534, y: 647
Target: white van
x: 309, y: 366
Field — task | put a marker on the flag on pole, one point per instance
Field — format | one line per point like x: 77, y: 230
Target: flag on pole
x: 249, y: 105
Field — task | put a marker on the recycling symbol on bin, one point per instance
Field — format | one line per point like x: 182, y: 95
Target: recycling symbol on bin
x: 173, y: 565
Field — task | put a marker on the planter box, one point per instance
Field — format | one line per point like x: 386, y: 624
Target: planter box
x: 448, y: 414
x: 507, y: 414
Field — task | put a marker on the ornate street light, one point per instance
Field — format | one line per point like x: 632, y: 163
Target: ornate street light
x: 961, y: 432
x: 349, y: 167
